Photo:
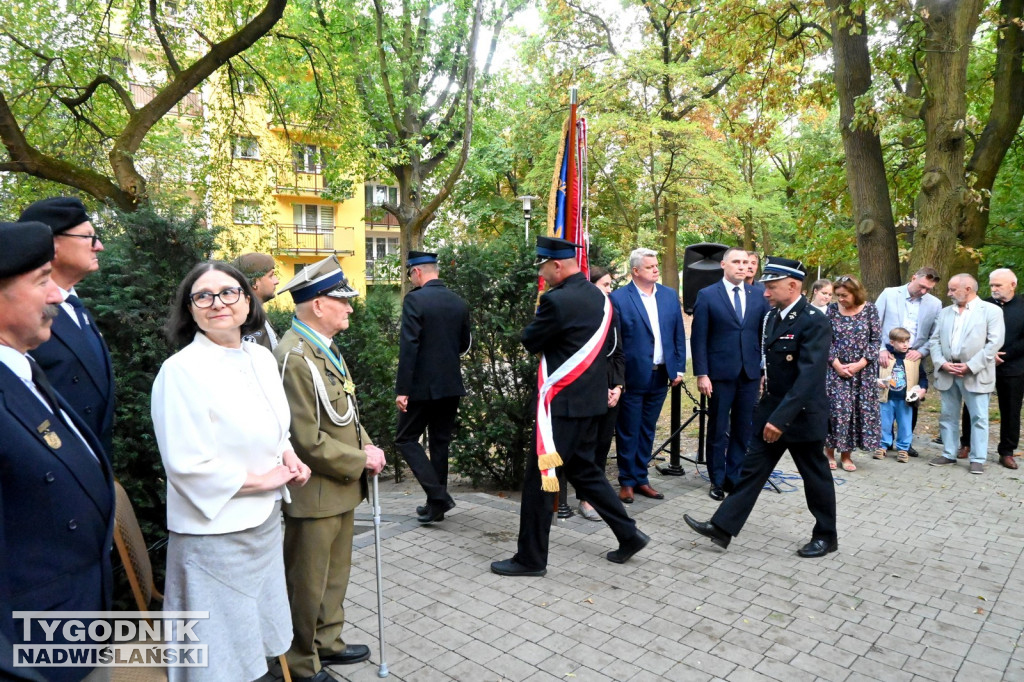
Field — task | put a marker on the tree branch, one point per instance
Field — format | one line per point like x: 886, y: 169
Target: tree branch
x: 172, y: 63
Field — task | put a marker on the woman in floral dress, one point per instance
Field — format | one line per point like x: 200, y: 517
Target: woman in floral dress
x: 853, y: 368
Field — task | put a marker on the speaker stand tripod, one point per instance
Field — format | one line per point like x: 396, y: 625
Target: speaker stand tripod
x: 700, y: 413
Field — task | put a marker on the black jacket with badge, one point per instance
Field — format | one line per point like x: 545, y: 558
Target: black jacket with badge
x: 796, y: 361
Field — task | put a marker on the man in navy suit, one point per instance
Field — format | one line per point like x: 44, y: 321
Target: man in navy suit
x: 56, y: 488
x: 654, y: 344
x: 76, y: 359
x: 725, y: 339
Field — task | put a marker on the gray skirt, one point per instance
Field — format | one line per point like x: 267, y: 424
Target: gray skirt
x: 239, y: 579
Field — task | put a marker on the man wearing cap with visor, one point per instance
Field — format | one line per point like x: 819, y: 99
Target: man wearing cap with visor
x: 76, y: 359
x: 56, y: 487
x: 260, y: 270
x: 328, y: 436
x: 791, y: 415
x: 572, y: 332
x: 435, y: 334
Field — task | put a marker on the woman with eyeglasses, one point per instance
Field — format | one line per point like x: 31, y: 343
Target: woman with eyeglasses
x: 853, y: 369
x: 221, y: 421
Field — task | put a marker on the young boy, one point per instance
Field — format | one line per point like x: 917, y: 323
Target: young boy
x: 900, y: 386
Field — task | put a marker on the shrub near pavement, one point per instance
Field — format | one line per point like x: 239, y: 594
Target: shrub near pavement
x: 145, y: 258
x: 495, y: 434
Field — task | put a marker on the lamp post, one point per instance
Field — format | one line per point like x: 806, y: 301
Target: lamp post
x: 527, y: 200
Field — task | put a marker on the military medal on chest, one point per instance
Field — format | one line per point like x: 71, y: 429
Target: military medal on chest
x: 51, y: 438
x: 349, y: 386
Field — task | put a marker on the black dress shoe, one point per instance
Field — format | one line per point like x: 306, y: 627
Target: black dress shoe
x: 435, y: 512
x: 716, y: 493
x: 628, y: 549
x: 709, y: 530
x: 423, y: 509
x: 912, y: 452
x: 353, y: 653
x: 322, y: 676
x: 514, y: 568
x: 818, y: 547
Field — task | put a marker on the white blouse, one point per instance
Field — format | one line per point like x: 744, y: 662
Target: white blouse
x: 219, y: 414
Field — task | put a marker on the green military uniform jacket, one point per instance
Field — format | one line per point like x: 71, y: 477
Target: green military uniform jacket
x: 332, y: 452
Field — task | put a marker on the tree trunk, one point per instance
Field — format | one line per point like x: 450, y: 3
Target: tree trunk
x: 1004, y: 120
x: 944, y: 196
x: 669, y: 248
x: 865, y: 165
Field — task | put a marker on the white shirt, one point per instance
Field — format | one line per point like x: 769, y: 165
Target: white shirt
x: 729, y: 286
x: 68, y: 308
x: 219, y: 414
x: 956, y: 339
x: 19, y: 364
x: 651, y: 306
x: 910, y: 315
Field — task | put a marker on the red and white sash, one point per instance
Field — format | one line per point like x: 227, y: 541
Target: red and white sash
x: 548, y: 387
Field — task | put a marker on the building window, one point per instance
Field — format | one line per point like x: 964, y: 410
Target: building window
x: 246, y: 147
x: 381, y: 247
x: 376, y: 195
x: 306, y: 158
x: 313, y: 218
x: 246, y: 213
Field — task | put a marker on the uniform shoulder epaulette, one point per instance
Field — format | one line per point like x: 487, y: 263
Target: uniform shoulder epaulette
x: 299, y: 347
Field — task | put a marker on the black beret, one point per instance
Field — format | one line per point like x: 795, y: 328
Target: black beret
x: 60, y: 213
x: 24, y: 247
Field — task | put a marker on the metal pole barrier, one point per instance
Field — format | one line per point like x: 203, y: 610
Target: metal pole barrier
x: 383, y: 670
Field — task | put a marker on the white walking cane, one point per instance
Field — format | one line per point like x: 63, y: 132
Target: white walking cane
x: 383, y: 670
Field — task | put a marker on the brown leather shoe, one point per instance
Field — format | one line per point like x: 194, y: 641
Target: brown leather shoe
x: 626, y: 494
x: 648, y: 491
x: 964, y: 452
x: 1008, y: 461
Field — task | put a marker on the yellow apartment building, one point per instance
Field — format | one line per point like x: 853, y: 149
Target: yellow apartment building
x: 270, y: 188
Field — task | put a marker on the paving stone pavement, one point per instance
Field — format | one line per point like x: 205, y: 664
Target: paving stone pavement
x: 920, y: 588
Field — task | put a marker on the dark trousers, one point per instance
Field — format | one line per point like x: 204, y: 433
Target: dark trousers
x: 605, y: 433
x: 1010, y: 394
x: 730, y: 417
x: 761, y: 460
x: 640, y: 407
x: 437, y: 417
x: 574, y: 440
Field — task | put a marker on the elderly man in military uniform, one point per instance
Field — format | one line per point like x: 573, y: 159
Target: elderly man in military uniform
x: 76, y: 359
x: 572, y: 332
x: 328, y: 437
x: 435, y: 333
x: 260, y: 270
x: 56, y: 488
x: 791, y: 415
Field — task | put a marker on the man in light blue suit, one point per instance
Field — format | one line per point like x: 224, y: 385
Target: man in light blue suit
x: 654, y: 345
x: 725, y: 340
x: 912, y: 307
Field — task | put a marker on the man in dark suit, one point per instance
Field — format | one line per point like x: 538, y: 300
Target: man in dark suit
x: 573, y: 394
x: 654, y: 344
x: 725, y: 340
x: 435, y: 334
x: 791, y: 415
x: 261, y: 271
x: 56, y: 488
x: 76, y: 359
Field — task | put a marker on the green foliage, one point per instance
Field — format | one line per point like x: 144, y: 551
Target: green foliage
x: 370, y: 347
x: 146, y: 257
x: 495, y: 434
